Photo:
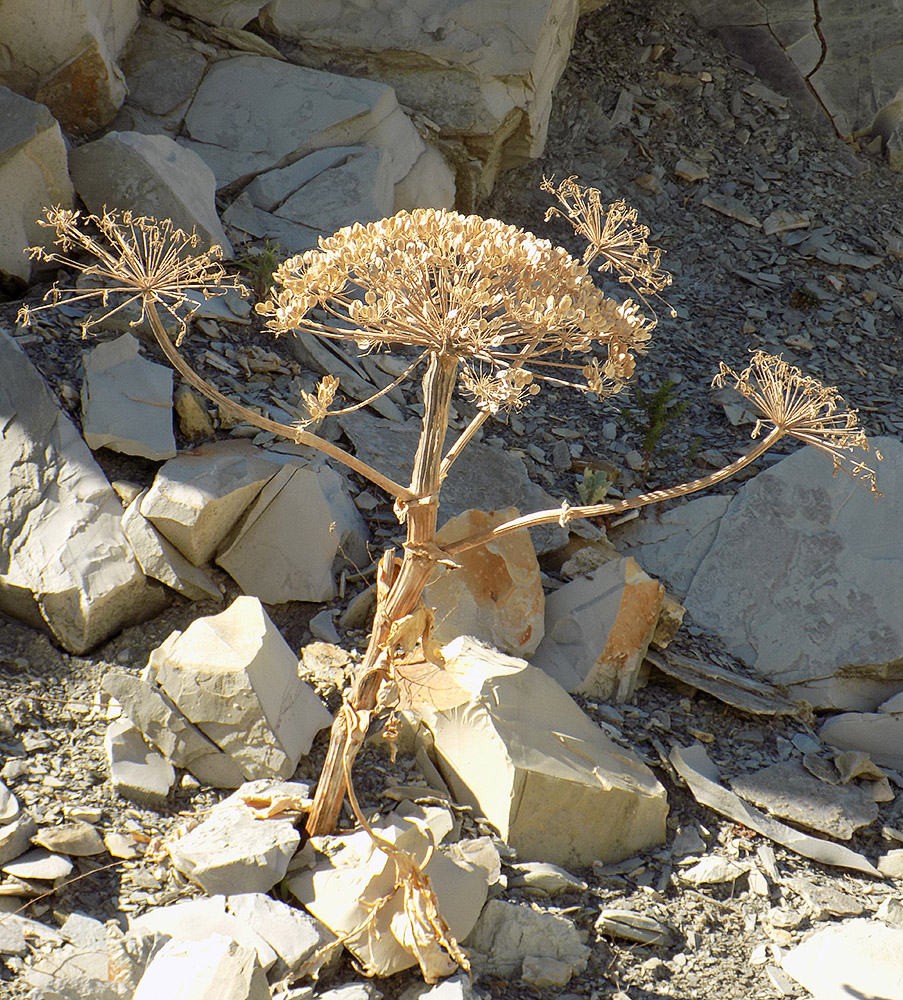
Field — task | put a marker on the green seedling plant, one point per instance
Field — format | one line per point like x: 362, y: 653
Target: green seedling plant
x: 492, y: 311
x: 259, y: 267
x: 593, y: 486
x: 654, y: 414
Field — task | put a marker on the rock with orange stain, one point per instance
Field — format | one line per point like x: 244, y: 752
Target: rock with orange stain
x: 598, y: 629
x: 496, y: 595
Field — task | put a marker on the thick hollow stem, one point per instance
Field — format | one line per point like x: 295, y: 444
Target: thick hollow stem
x: 293, y: 433
x: 404, y: 593
x: 565, y: 513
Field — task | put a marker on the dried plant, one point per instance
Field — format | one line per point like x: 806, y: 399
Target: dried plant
x: 489, y: 309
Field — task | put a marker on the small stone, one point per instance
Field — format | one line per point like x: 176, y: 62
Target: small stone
x: 891, y: 864
x: 77, y: 839
x: 194, y: 421
x: 39, y: 864
x: 544, y: 879
x: 322, y: 627
x: 137, y: 772
x: 545, y: 973
x: 122, y: 845
x: 16, y: 836
x: 689, y: 171
x: 713, y: 870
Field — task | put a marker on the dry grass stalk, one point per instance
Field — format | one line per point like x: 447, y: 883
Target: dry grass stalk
x: 492, y: 310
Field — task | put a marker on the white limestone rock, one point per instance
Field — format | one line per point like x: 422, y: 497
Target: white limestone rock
x: 507, y: 935
x: 160, y: 722
x: 33, y: 164
x: 136, y: 771
x: 287, y: 545
x: 430, y: 183
x: 314, y: 110
x: 861, y: 957
x: 233, y: 851
x: 801, y: 560
x: 598, y: 629
x: 224, y: 13
x: 127, y: 401
x: 879, y: 734
x: 351, y: 874
x: 161, y: 560
x: 235, y: 678
x: 484, y: 73
x: 214, y: 966
x: 65, y: 56
x: 198, y: 497
x: 15, y: 837
x: 150, y: 175
x: 64, y: 559
x: 513, y: 745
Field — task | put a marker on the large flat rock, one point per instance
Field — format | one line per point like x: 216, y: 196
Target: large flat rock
x: 804, y: 580
x: 64, y: 559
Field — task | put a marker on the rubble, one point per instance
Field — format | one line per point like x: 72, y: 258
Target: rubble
x: 515, y: 747
x: 879, y: 734
x: 598, y: 630
x: 215, y: 963
x: 136, y: 771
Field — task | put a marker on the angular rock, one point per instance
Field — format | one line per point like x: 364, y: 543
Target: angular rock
x: 315, y: 110
x: 136, y: 771
x: 150, y: 175
x: 33, y: 164
x: 161, y: 560
x: 879, y: 734
x: 794, y: 608
x: 15, y: 837
x: 215, y: 965
x: 496, y: 595
x: 197, y: 498
x: 508, y: 934
x: 235, y: 678
x: 544, y: 879
x: 76, y: 839
x: 788, y: 791
x: 129, y: 954
x: 127, y: 401
x: 510, y: 743
x: 9, y: 805
x: 159, y: 721
x: 598, y: 629
x: 484, y: 74
x: 859, y: 958
x: 64, y: 559
x: 39, y: 864
x: 429, y: 184
x: 286, y: 547
x: 225, y: 13
x: 673, y: 546
x: 234, y: 852
x: 194, y: 421
x: 65, y: 57
x: 342, y: 888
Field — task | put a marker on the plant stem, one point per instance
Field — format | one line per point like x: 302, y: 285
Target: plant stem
x: 565, y: 513
x: 264, y: 423
x: 404, y: 592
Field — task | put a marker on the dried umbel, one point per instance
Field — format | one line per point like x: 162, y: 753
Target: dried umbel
x: 144, y: 259
x: 506, y: 305
x: 801, y: 406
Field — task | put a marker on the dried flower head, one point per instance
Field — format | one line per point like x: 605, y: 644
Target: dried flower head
x: 491, y: 295
x: 802, y: 407
x: 135, y: 256
x: 612, y: 234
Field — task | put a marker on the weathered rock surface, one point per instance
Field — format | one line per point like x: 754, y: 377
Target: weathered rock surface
x: 198, y: 497
x: 315, y: 110
x: 65, y: 56
x: 847, y: 60
x: 149, y: 175
x: 64, y: 559
x: 227, y: 13
x: 513, y: 745
x: 33, y: 164
x: 483, y: 73
x: 507, y: 936
x: 235, y: 851
x: 286, y: 547
x: 496, y: 596
x: 127, y: 401
x: 235, y: 678
x: 160, y: 722
x: 858, y: 958
x: 879, y: 734
x: 161, y: 560
x: 136, y: 771
x: 598, y: 629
